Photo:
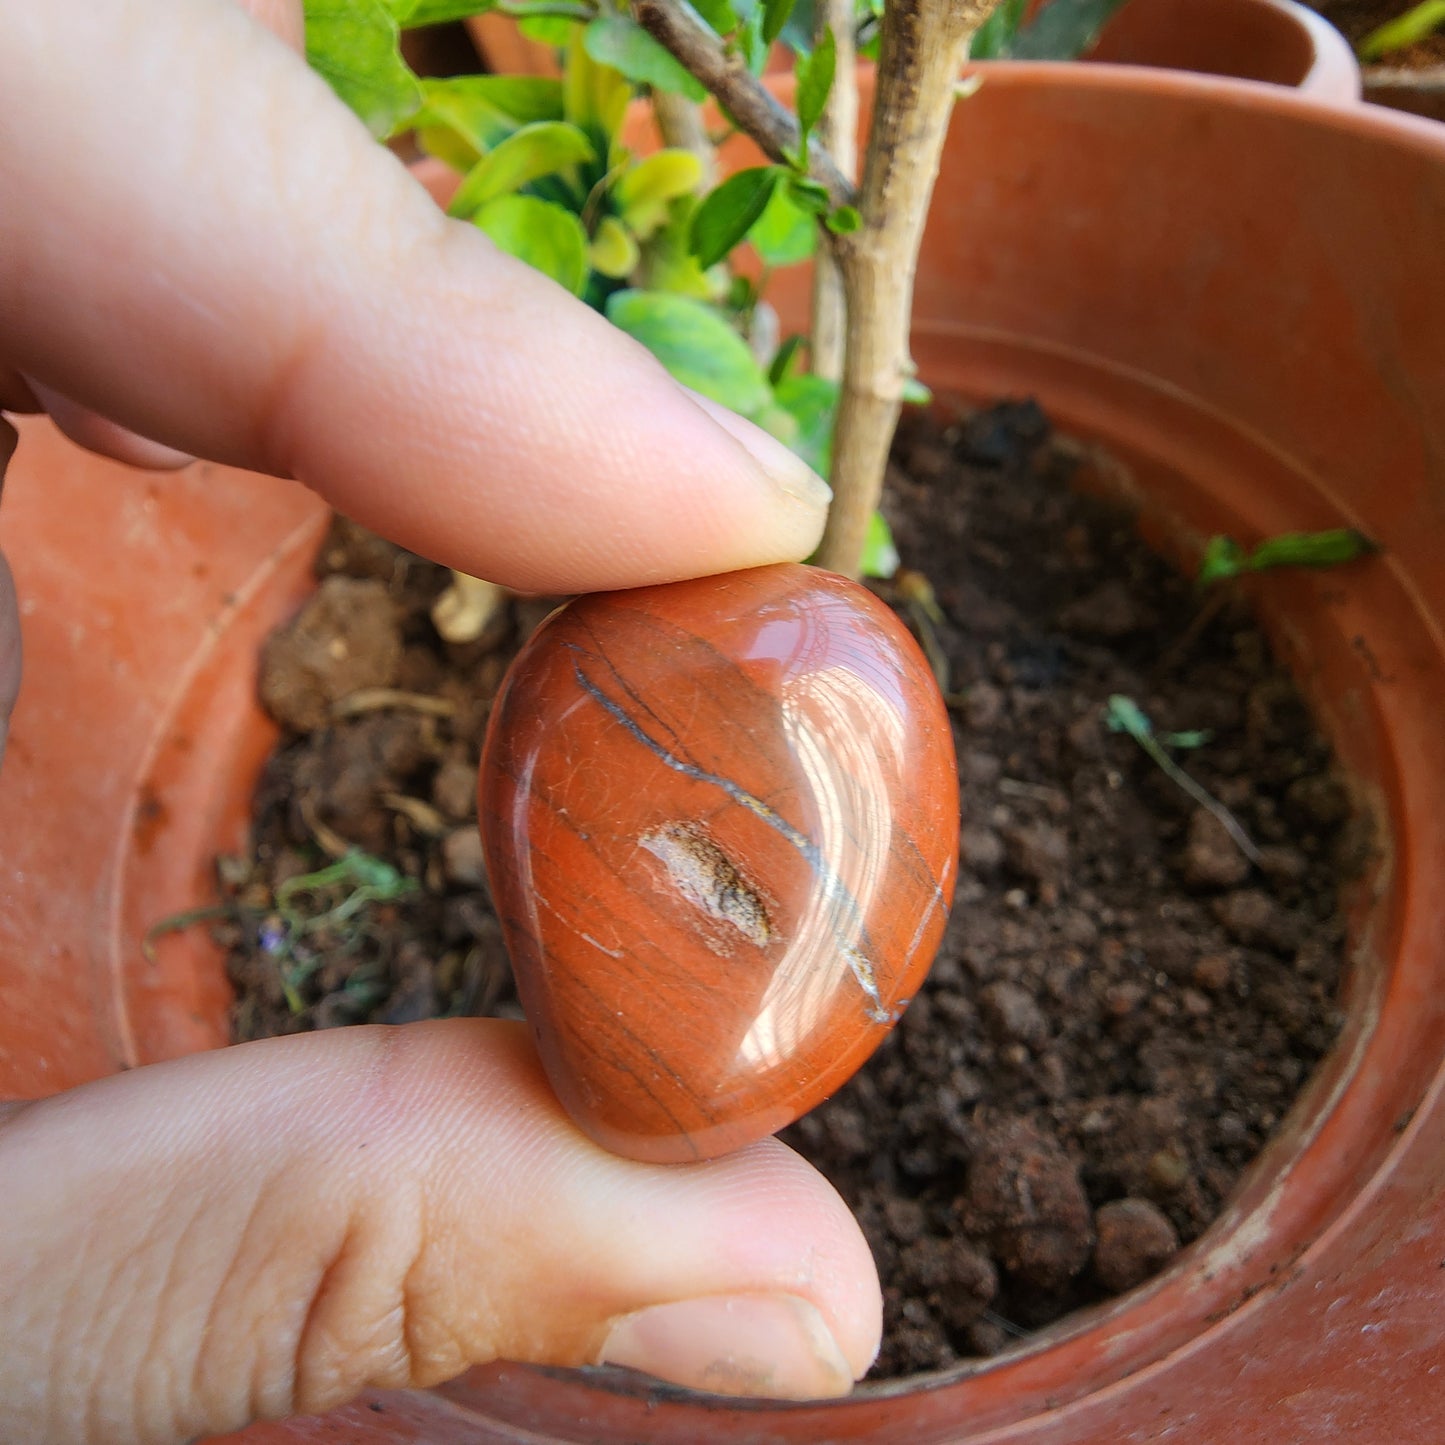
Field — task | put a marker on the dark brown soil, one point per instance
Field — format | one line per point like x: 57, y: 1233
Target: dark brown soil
x: 1123, y: 1007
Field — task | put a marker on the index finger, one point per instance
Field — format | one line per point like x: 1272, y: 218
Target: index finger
x: 200, y: 243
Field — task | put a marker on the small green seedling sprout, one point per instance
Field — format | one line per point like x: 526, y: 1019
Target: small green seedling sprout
x: 178, y: 923
x: 1404, y: 30
x: 1124, y: 715
x: 369, y: 880
x: 1225, y: 558
x: 360, y: 879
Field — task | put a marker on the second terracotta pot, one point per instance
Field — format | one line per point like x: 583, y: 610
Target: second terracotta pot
x: 1275, y: 41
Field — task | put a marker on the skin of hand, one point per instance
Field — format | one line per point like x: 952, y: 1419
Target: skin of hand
x: 202, y: 253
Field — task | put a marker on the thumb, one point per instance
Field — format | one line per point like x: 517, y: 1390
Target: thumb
x: 202, y: 244
x: 269, y: 1229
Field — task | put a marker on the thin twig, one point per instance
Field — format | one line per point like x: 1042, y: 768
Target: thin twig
x: 740, y: 93
x: 328, y: 839
x: 377, y: 699
x: 419, y: 813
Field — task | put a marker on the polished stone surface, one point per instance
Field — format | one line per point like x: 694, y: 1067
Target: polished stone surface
x: 721, y: 828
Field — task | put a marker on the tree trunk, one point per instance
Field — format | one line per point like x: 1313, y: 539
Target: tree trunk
x: 924, y: 46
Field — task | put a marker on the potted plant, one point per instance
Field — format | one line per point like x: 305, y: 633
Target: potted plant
x: 1230, y: 381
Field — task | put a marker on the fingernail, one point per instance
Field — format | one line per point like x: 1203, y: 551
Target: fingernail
x: 789, y: 472
x: 99, y: 434
x: 774, y: 1346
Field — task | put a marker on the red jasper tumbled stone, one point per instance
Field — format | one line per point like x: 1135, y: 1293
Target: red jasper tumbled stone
x: 721, y: 828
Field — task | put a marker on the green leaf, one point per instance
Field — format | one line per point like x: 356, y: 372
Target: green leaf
x: 880, y: 556
x: 797, y: 32
x: 783, y: 359
x: 1404, y: 31
x: 462, y: 118
x: 553, y: 30
x: 446, y: 145
x: 843, y: 221
x: 594, y: 95
x: 668, y: 264
x: 775, y: 16
x: 486, y: 108
x: 411, y: 13
x: 1124, y: 715
x: 1311, y: 549
x: 813, y: 403
x: 1187, y: 741
x: 696, y: 346
x: 534, y: 151
x: 576, y: 10
x: 784, y: 235
x: 545, y: 236
x: 355, y: 45
x: 914, y: 393
x: 614, y: 250
x: 742, y: 292
x: 1062, y: 30
x: 993, y: 39
x: 749, y: 43
x: 809, y: 195
x: 1224, y: 557
x: 728, y: 213
x: 719, y: 14
x: 815, y: 81
x: 624, y: 45
x: 654, y: 181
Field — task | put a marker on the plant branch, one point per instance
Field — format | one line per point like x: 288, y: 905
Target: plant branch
x: 924, y: 45
x: 740, y: 93
x: 838, y: 134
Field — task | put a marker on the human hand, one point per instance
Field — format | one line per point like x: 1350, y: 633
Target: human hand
x: 201, y: 251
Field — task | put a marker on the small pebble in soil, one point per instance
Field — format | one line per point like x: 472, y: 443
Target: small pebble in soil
x: 1024, y: 1197
x: 1135, y: 1239
x: 345, y: 638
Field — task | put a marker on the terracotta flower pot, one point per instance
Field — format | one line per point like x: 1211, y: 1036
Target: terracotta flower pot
x: 144, y: 597
x: 1276, y: 41
x: 1237, y: 294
